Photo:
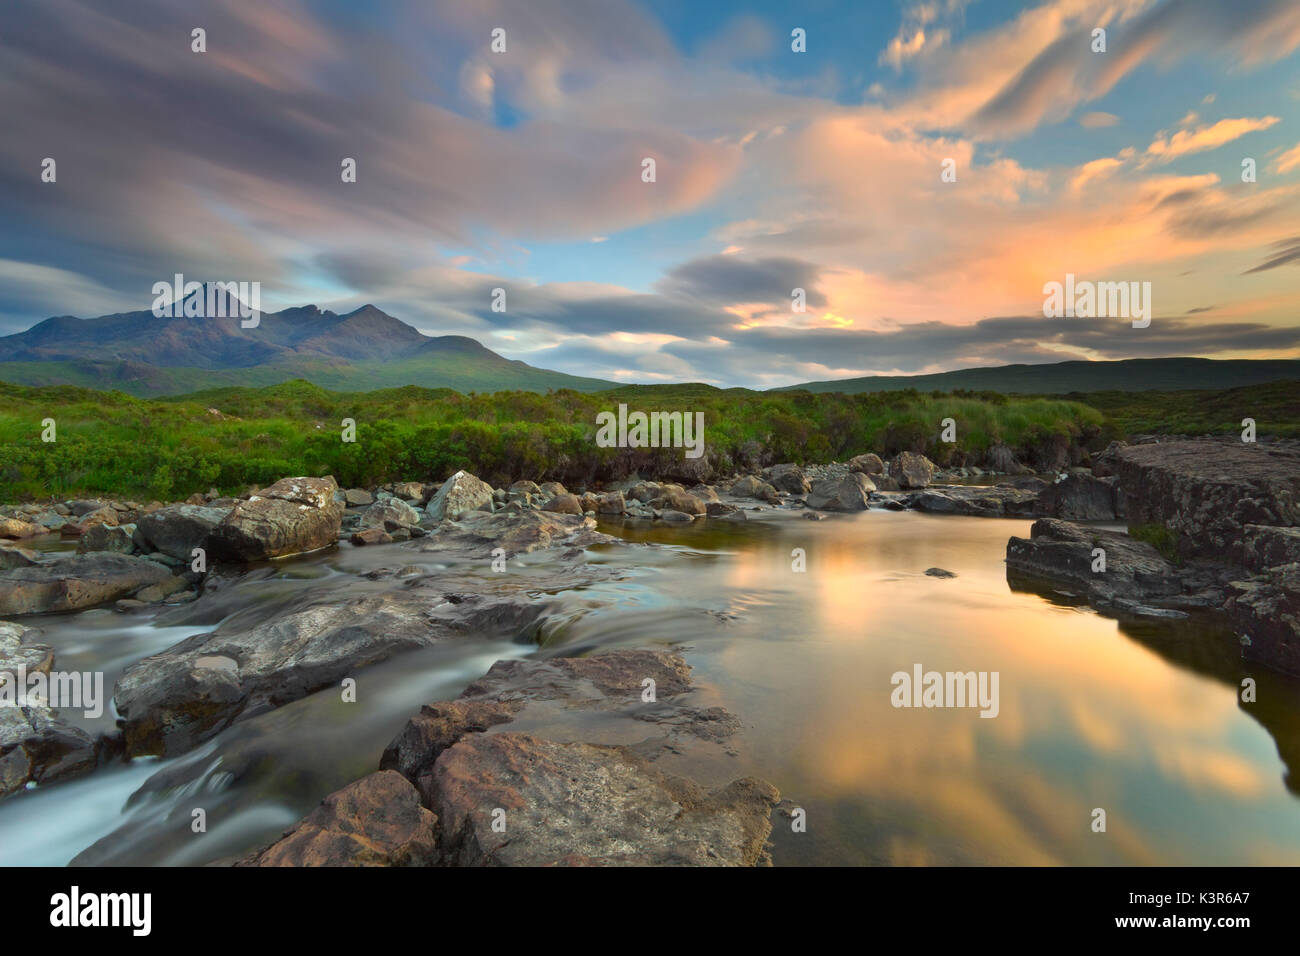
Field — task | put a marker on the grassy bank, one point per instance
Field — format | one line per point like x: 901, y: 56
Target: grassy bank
x: 1275, y: 407
x: 112, y: 443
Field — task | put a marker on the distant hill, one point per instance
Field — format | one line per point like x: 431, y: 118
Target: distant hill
x: 362, y: 350
x: 1127, y: 375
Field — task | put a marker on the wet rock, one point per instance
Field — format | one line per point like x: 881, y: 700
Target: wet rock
x: 1080, y: 497
x: 565, y: 504
x: 610, y: 503
x: 35, y: 745
x: 1265, y: 613
x: 718, y: 509
x: 515, y: 533
x: 1061, y: 553
x: 788, y: 478
x: 577, y: 804
x: 108, y: 538
x: 389, y: 515
x: 15, y: 528
x: 752, y: 487
x: 848, y: 493
x: 939, y: 573
x: 976, y: 501
x: 15, y: 557
x: 155, y: 593
x: 461, y: 494
x: 676, y: 517
x: 911, y: 470
x: 375, y: 821
x: 1207, y: 492
x: 72, y: 583
x: 293, y: 516
x: 371, y: 536
x: 868, y: 464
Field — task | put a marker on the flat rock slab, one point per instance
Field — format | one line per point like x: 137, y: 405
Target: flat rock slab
x: 73, y: 583
x: 515, y: 800
x: 515, y: 532
x: 976, y: 501
x: 375, y: 821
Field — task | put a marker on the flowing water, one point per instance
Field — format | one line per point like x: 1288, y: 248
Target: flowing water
x: 1142, y: 719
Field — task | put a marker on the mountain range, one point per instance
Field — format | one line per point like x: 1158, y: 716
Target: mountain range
x: 147, y: 355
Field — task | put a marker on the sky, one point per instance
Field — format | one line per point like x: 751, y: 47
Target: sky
x: 775, y: 169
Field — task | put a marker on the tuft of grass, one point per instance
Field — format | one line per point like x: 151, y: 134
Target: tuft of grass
x: 1160, y: 537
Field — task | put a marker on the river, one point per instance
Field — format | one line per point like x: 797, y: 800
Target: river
x: 1141, y: 720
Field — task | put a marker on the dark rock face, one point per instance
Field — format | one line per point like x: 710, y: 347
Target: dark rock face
x: 1207, y: 492
x: 1265, y: 612
x: 376, y: 821
x: 1262, y: 547
x: 293, y: 516
x: 577, y: 804
x: 69, y: 584
x: 848, y: 493
x: 1080, y: 498
x: 1135, y: 574
x: 177, y: 529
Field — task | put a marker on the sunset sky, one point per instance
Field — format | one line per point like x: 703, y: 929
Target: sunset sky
x: 775, y: 169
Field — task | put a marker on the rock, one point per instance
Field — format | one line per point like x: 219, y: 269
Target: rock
x: 35, y: 745
x: 675, y: 517
x: 911, y: 470
x: 1265, y: 612
x: 610, y: 503
x: 105, y: 537
x: 577, y: 804
x: 1002, y: 459
x: 752, y: 487
x: 788, y: 478
x: 1059, y: 552
x: 675, y: 499
x: 161, y: 591
x: 72, y: 583
x: 172, y: 701
x: 409, y: 491
x: 1207, y: 491
x: 105, y: 515
x: 718, y: 509
x: 389, y: 515
x: 1079, y: 497
x: 1262, y: 547
x: 459, y: 495
x: 293, y: 516
x: 553, y: 488
x: 14, y: 557
x: 939, y: 573
x: 525, y: 487
x: 848, y: 493
x: 371, y: 536
x: 16, y: 528
x: 1103, y: 463
x: 564, y: 503
x: 643, y: 491
x: 375, y: 821
x: 516, y: 533
x: 357, y: 497
x: 84, y: 506
x: 976, y: 501
x: 868, y: 464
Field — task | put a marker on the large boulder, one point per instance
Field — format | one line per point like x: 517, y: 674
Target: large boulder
x: 177, y: 529
x: 675, y: 499
x: 564, y: 503
x: 848, y: 493
x: 293, y: 516
x: 17, y: 528
x: 459, y: 495
x: 107, y: 537
x: 578, y: 804
x: 788, y: 478
x: 390, y: 514
x: 1206, y: 492
x: 73, y: 583
x: 868, y: 464
x: 1080, y: 497
x: 375, y: 821
x: 1135, y: 575
x: 911, y: 470
x: 751, y: 486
